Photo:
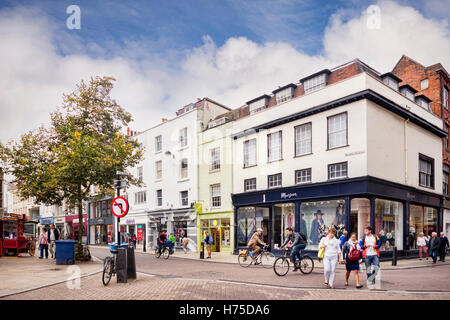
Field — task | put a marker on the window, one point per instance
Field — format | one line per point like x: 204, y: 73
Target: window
x: 337, y: 170
x: 389, y: 224
x: 303, y: 176
x: 426, y: 171
x: 337, y: 131
x: 274, y: 180
x: 140, y: 197
x: 183, y: 137
x: 284, y: 95
x: 391, y: 83
x: 447, y: 137
x: 215, y: 196
x: 315, y: 83
x: 159, y: 198
x: 424, y: 84
x: 250, y: 184
x: 215, y: 159
x: 158, y: 170
x: 445, y: 183
x: 158, y: 143
x: 140, y: 174
x: 423, y: 103
x: 445, y: 98
x: 257, y: 106
x: 250, y: 153
x: 184, y: 198
x: 303, y: 139
x: 274, y: 146
x: 407, y: 93
x: 183, y: 169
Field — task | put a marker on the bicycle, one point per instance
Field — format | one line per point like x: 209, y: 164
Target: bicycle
x: 281, y: 265
x: 110, y: 264
x: 264, y: 258
x: 165, y: 252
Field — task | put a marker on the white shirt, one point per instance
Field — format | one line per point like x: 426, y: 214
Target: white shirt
x: 52, y: 235
x: 371, y: 240
x: 421, y: 241
x: 332, y: 246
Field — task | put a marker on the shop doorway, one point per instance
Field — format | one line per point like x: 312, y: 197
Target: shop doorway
x: 359, y: 216
x: 216, y: 236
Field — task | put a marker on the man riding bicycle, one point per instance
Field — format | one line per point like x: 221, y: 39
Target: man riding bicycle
x: 298, y: 242
x: 162, y: 240
x: 255, y: 243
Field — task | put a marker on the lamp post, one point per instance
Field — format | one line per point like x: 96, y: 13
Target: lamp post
x: 119, y: 183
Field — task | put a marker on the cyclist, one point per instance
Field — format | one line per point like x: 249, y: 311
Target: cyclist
x: 298, y: 242
x: 255, y: 243
x: 162, y: 240
x: 172, y: 240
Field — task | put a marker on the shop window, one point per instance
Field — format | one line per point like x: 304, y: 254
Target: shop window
x: 316, y: 214
x: 359, y: 216
x: 284, y: 217
x: 415, y: 224
x: 179, y: 231
x: 337, y: 130
x: 249, y: 219
x: 430, y: 220
x: 389, y: 224
x: 250, y: 153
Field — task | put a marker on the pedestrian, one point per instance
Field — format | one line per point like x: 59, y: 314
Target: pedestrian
x: 134, y: 240
x: 53, y: 235
x: 43, y: 243
x: 443, y: 247
x: 370, y: 244
x: 352, y: 255
x: 422, y: 245
x: 331, y: 256
x: 343, y: 239
x: 208, y: 241
x: 433, y: 246
x: 185, y: 242
x: 172, y: 240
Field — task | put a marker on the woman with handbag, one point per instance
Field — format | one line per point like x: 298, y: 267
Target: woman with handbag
x: 352, y: 255
x: 331, y: 256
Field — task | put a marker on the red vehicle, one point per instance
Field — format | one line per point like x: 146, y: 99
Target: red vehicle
x: 18, y: 235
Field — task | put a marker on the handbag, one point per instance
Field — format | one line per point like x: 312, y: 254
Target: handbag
x: 321, y: 253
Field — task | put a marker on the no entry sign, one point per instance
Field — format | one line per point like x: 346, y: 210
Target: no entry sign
x: 119, y: 207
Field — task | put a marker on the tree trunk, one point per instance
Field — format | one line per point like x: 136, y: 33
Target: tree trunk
x: 81, y: 222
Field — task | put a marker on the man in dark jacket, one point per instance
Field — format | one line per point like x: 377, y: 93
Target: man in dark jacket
x: 443, y: 247
x: 52, y: 236
x: 298, y: 242
x: 433, y: 246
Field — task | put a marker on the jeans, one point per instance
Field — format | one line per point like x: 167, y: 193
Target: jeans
x: 44, y: 247
x: 329, y: 268
x: 434, y: 254
x: 296, y: 252
x: 372, y: 266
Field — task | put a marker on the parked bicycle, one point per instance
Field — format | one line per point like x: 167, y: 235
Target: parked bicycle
x: 264, y: 258
x: 165, y: 252
x: 282, y: 264
x: 110, y: 264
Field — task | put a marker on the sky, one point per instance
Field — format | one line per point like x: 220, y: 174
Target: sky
x: 166, y: 54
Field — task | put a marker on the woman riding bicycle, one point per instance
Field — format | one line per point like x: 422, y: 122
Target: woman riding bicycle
x: 255, y: 243
x: 298, y: 242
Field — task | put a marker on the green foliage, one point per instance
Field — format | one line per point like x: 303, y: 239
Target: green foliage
x: 83, y: 147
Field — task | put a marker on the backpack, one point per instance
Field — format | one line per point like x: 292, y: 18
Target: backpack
x: 354, y: 254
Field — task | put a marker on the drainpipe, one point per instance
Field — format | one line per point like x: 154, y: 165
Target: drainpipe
x: 405, y: 144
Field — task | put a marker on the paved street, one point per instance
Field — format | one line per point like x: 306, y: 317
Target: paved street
x: 178, y: 278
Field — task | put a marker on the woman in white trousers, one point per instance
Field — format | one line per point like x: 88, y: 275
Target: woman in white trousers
x: 331, y: 257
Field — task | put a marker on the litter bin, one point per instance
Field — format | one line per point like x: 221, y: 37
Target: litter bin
x: 65, y: 251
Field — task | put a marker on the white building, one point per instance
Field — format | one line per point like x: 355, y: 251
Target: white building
x: 342, y: 146
x: 170, y: 174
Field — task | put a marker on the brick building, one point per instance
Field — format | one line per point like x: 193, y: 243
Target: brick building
x: 434, y: 82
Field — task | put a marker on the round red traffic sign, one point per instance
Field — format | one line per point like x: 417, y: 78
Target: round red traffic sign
x: 119, y: 207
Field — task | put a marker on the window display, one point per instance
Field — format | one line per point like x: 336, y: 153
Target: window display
x: 314, y: 215
x: 430, y: 220
x: 415, y: 224
x: 284, y: 218
x: 389, y: 223
x: 249, y: 219
x: 359, y: 216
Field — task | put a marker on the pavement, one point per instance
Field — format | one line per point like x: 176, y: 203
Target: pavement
x: 186, y: 277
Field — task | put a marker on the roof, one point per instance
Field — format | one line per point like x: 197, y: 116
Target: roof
x: 259, y: 98
x: 327, y: 71
x: 391, y: 75
x: 290, y: 85
x: 424, y: 97
x: 407, y: 86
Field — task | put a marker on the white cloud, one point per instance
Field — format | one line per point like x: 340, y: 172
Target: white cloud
x: 34, y: 74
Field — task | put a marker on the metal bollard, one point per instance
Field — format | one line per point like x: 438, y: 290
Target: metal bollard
x: 131, y: 264
x: 121, y: 266
x: 202, y: 251
x: 394, y: 256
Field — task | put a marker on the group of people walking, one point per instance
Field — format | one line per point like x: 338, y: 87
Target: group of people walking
x: 433, y: 246
x: 47, y: 240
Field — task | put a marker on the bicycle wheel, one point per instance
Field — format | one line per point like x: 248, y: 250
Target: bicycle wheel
x: 245, y: 261
x: 108, y: 267
x: 157, y: 253
x: 165, y: 253
x: 267, y: 259
x: 306, y: 265
x: 281, y: 266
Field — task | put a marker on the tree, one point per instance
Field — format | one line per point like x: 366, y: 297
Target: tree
x: 82, y: 148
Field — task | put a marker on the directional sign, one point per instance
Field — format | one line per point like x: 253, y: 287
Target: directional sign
x: 119, y: 207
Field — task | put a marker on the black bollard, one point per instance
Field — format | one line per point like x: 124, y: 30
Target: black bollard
x: 131, y: 263
x: 202, y: 251
x: 394, y: 256
x: 121, y: 266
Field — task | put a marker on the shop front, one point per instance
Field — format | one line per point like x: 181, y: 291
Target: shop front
x: 397, y: 213
x: 101, y: 222
x: 220, y: 226
x: 59, y: 224
x: 73, y: 227
x: 135, y: 225
x: 180, y: 222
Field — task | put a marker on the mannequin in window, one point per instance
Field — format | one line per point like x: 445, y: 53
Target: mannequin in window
x: 340, y: 215
x: 315, y: 225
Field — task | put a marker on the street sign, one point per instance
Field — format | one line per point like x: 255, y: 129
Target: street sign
x: 119, y: 207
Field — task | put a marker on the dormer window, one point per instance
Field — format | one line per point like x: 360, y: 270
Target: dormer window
x: 423, y: 101
x: 258, y: 104
x: 408, y: 91
x: 315, y: 82
x: 391, y: 80
x: 285, y: 93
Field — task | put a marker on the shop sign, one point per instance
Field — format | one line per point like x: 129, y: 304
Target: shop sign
x: 100, y: 221
x: 285, y: 195
x: 60, y: 220
x: 130, y: 221
x: 46, y: 220
x: 139, y: 232
x: 198, y: 207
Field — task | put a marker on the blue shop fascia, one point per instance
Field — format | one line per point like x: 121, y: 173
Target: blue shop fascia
x: 396, y: 212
